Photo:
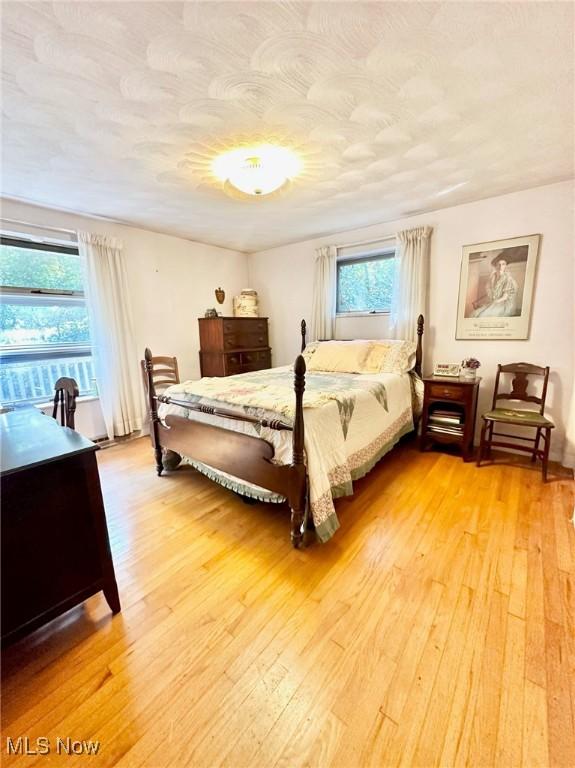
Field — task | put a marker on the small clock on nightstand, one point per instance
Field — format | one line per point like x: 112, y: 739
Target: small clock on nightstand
x: 449, y: 411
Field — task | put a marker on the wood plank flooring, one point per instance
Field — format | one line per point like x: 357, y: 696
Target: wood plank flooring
x: 436, y: 629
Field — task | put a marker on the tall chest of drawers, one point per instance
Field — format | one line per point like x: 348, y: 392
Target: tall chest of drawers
x: 230, y: 345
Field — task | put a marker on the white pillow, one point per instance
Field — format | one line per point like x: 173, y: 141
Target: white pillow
x: 361, y: 356
x: 310, y: 350
x: 339, y: 356
x: 391, y: 356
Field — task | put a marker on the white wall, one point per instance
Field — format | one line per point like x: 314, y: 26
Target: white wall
x: 88, y: 420
x: 284, y: 279
x: 172, y: 282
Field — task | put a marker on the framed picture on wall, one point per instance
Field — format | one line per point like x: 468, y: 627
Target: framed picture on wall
x: 496, y: 289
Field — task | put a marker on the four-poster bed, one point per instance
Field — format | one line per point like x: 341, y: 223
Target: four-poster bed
x: 248, y: 457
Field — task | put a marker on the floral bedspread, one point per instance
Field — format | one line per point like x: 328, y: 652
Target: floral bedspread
x: 351, y: 421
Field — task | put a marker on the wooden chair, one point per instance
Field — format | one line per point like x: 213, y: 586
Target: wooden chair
x: 164, y: 373
x: 534, y: 419
x: 66, y: 393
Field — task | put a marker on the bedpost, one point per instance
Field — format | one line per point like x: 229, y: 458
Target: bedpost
x: 419, y: 350
x: 297, y: 491
x: 303, y: 334
x: 153, y: 408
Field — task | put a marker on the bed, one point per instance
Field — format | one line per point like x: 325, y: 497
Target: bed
x: 286, y: 435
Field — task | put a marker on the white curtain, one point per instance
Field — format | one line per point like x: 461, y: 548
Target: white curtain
x: 324, y: 293
x: 411, y: 278
x: 114, y: 351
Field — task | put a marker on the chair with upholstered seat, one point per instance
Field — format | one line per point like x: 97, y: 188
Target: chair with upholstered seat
x: 65, y: 398
x: 164, y: 373
x: 518, y: 417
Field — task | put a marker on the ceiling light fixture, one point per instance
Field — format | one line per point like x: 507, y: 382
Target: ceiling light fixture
x: 257, y: 170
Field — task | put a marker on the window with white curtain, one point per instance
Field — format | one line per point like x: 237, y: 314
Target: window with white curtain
x: 365, y: 278
x: 44, y: 328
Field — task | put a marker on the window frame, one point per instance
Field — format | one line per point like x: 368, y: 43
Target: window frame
x: 30, y: 353
x: 27, y: 352
x: 388, y: 252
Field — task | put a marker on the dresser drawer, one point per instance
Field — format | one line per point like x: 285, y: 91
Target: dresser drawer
x: 233, y: 364
x: 232, y: 341
x: 243, y: 339
x: 256, y: 356
x: 256, y: 361
x: 245, y: 325
x: 249, y: 358
x: 447, y: 392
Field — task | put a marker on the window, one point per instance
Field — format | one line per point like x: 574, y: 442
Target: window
x: 364, y: 281
x: 44, y: 329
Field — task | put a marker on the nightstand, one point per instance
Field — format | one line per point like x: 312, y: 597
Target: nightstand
x: 449, y: 411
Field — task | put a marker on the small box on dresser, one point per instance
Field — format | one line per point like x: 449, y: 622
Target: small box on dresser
x: 449, y: 412
x: 230, y: 345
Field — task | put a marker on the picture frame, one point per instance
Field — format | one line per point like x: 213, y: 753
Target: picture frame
x: 496, y: 289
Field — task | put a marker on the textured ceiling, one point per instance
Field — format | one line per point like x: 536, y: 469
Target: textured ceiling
x: 116, y: 108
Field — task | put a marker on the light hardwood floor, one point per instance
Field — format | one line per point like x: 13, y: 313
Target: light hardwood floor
x: 436, y: 629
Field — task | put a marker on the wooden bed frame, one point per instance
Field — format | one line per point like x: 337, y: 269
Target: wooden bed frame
x: 246, y: 457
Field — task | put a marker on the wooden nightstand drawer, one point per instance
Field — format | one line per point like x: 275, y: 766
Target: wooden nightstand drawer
x: 447, y: 392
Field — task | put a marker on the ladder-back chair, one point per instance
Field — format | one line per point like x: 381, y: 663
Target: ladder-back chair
x: 65, y: 398
x: 534, y: 419
x: 164, y: 373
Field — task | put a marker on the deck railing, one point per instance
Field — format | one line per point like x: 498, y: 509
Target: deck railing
x: 34, y: 380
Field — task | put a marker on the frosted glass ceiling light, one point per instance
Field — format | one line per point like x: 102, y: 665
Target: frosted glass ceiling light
x: 257, y: 170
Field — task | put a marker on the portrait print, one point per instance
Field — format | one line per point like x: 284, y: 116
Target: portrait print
x: 496, y: 288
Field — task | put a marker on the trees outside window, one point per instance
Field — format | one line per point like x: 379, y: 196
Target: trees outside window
x: 44, y: 327
x: 365, y: 284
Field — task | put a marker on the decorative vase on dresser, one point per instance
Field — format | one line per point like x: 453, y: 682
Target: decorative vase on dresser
x: 246, y: 304
x: 230, y: 345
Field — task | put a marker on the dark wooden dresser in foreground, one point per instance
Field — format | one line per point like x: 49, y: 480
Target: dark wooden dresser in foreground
x: 55, y: 546
x: 230, y: 345
x: 449, y: 411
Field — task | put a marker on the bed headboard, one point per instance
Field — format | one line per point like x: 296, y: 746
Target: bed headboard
x: 418, y: 349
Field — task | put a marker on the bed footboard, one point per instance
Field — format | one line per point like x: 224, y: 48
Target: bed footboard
x: 244, y: 456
